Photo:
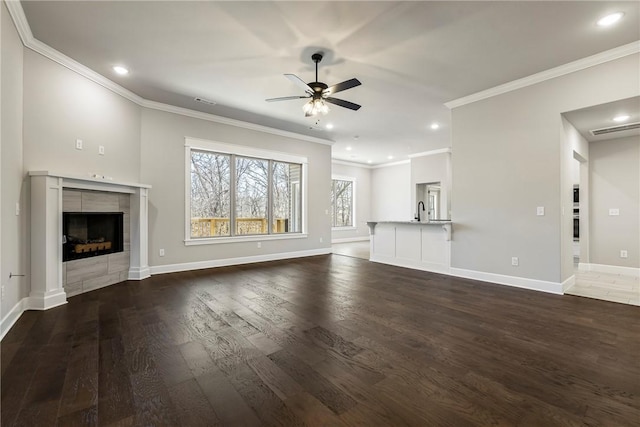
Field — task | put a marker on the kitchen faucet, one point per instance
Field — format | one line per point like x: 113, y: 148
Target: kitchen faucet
x: 418, y: 216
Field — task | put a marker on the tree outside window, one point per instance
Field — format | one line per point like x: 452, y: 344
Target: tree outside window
x: 237, y: 195
x: 342, y: 192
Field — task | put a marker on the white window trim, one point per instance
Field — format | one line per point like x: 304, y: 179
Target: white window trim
x: 353, y: 199
x: 245, y: 151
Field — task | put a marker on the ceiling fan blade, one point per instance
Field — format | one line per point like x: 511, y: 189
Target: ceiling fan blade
x: 347, y: 84
x: 343, y: 103
x: 299, y: 82
x: 285, y: 98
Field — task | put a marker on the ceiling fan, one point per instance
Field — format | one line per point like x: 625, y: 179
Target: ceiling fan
x: 319, y: 92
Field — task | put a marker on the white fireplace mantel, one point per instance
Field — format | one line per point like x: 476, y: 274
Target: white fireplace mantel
x: 47, y: 289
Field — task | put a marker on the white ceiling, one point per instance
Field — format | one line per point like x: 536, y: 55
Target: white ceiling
x: 411, y: 57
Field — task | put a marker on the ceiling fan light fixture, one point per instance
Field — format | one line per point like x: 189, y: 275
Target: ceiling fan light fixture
x: 315, y: 107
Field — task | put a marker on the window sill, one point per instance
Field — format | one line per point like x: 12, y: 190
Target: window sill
x: 343, y: 228
x: 242, y: 239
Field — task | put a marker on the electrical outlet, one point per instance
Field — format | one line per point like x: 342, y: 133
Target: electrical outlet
x: 78, y: 144
x: 17, y: 208
x: 624, y: 254
x: 259, y: 245
x: 101, y: 150
x: 326, y: 211
x: 321, y: 240
x: 614, y: 212
x: 514, y: 261
x: 2, y: 291
x: 161, y: 252
x: 540, y: 211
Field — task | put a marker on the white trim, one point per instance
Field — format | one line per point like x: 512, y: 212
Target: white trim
x: 47, y: 300
x: 568, y: 284
x: 139, y: 273
x: 386, y: 165
x: 199, y: 265
x: 352, y: 164
x: 414, y: 265
x: 609, y: 269
x: 231, y: 122
x: 244, y: 238
x: 518, y: 282
x: 351, y: 239
x: 353, y: 182
x: 571, y: 67
x: 24, y: 30
x: 30, y: 303
x: 12, y: 316
x: 430, y: 153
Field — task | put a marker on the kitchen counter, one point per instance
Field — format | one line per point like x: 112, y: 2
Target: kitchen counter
x: 412, y: 244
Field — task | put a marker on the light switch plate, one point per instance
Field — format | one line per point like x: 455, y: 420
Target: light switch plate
x: 101, y: 150
x: 624, y: 254
x: 540, y: 211
x: 614, y: 212
x: 78, y: 144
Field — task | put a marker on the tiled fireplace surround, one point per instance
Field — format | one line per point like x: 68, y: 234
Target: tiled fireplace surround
x: 52, y: 281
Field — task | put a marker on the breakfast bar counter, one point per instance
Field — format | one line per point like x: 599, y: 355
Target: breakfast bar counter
x: 412, y: 244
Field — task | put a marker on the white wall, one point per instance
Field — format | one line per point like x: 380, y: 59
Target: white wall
x: 391, y: 193
x: 362, y: 176
x: 61, y: 106
x: 13, y: 229
x: 615, y: 183
x: 163, y: 166
x: 507, y: 161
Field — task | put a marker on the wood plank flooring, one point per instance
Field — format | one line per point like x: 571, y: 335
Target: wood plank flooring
x: 329, y: 340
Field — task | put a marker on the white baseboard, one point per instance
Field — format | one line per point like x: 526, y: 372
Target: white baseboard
x: 12, y: 316
x: 567, y: 284
x: 351, y: 239
x: 609, y: 269
x: 407, y: 263
x: 518, y: 282
x: 51, y: 300
x: 199, y: 265
x: 139, y: 273
x: 47, y: 300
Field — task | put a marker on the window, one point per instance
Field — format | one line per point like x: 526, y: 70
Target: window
x: 342, y: 202
x: 246, y: 194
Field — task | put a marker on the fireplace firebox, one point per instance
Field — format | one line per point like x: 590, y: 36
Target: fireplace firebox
x: 88, y: 234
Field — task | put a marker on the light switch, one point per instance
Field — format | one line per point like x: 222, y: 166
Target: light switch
x: 540, y: 211
x: 614, y: 212
x: 78, y: 144
x: 101, y: 150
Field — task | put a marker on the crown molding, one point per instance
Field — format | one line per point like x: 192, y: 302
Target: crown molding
x: 386, y: 165
x: 430, y: 153
x: 347, y: 163
x: 571, y: 67
x: 29, y: 41
x: 231, y: 122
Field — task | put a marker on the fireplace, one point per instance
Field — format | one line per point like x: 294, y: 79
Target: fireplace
x: 89, y: 234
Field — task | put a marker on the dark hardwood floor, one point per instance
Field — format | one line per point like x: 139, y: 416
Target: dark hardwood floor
x: 328, y: 340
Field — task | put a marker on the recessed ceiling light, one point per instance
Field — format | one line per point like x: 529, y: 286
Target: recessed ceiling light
x: 120, y: 70
x: 349, y: 148
x: 610, y: 19
x: 369, y: 161
x: 621, y: 118
x: 435, y: 126
x: 390, y: 157
x: 329, y: 126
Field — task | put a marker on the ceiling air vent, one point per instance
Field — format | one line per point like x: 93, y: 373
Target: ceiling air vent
x: 204, y: 101
x: 612, y: 129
